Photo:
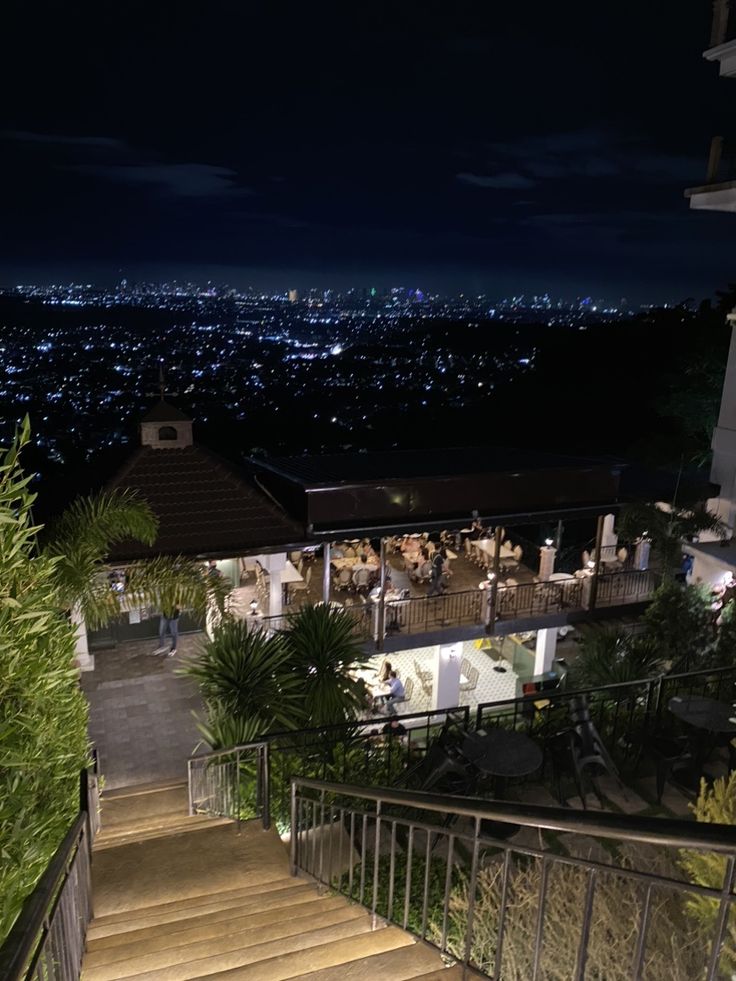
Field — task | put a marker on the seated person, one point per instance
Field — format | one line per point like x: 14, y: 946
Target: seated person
x: 394, y: 728
x: 337, y: 553
x: 396, y: 693
x: 361, y: 573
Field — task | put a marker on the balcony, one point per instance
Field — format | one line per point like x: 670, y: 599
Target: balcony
x: 719, y: 191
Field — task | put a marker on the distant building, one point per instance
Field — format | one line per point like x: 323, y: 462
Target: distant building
x: 293, y: 296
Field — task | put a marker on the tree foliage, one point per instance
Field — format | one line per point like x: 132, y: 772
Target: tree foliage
x: 247, y: 684
x: 666, y: 529
x: 323, y: 653
x: 254, y: 683
x: 715, y: 805
x: 43, y: 714
x: 611, y: 657
x: 679, y: 624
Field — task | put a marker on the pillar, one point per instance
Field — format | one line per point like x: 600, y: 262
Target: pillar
x: 446, y: 676
x: 274, y: 565
x: 609, y: 539
x: 85, y: 660
x: 326, y: 579
x: 547, y: 555
x: 641, y: 554
x: 546, y: 647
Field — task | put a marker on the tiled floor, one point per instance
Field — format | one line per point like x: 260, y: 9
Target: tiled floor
x: 141, y: 713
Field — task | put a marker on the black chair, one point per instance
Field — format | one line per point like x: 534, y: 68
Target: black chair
x: 670, y: 754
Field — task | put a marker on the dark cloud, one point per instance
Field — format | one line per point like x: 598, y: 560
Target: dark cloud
x: 184, y: 180
x: 505, y: 181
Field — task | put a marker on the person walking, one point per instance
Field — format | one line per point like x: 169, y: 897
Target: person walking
x: 169, y: 623
x: 438, y: 568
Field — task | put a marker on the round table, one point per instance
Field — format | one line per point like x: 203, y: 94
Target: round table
x: 710, y: 718
x: 502, y: 753
x: 704, y: 713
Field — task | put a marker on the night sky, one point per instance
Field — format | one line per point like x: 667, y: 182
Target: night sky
x: 499, y: 147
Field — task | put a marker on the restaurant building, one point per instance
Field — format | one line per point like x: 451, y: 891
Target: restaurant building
x: 527, y: 543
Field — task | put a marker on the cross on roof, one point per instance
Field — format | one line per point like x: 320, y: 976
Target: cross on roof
x: 162, y: 384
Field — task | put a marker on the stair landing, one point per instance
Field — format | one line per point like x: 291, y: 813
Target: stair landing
x: 179, y: 898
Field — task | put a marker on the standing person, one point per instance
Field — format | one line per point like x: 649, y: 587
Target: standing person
x: 438, y: 567
x: 169, y: 623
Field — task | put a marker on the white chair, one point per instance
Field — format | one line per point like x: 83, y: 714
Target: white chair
x: 518, y: 553
x: 467, y: 548
x: 586, y: 557
x: 349, y: 552
x: 344, y: 579
x: 622, y: 555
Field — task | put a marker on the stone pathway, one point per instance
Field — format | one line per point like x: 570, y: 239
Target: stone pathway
x: 141, y: 712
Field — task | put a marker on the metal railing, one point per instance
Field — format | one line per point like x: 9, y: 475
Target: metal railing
x: 622, y: 588
x: 425, y: 614
x: 47, y: 941
x: 539, y: 599
x: 233, y: 783
x: 625, y: 714
x: 237, y: 782
x: 441, y: 867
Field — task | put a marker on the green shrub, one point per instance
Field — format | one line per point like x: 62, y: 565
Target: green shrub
x: 43, y: 714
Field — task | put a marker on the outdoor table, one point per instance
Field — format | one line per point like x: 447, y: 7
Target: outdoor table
x: 289, y: 575
x: 501, y: 753
x: 709, y: 718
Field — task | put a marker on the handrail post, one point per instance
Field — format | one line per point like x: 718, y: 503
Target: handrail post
x: 294, y: 829
x: 189, y: 787
x: 596, y: 569
x: 236, y: 789
x: 266, y: 787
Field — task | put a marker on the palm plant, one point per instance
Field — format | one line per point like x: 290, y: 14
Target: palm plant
x: 611, y: 657
x: 80, y: 541
x: 247, y: 683
x: 667, y: 529
x: 324, y: 654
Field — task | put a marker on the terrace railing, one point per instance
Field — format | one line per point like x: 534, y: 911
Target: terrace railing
x: 532, y: 599
x: 251, y: 780
x: 441, y: 867
x: 425, y: 614
x: 625, y: 714
x: 47, y: 940
x: 622, y: 588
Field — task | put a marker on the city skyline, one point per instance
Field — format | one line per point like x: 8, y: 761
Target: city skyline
x: 489, y: 151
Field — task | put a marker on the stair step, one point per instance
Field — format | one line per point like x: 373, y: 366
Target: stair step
x: 308, y: 958
x: 250, y: 959
x: 189, y: 932
x: 164, y: 828
x: 161, y: 925
x: 454, y: 973
x: 133, y: 962
x: 240, y: 894
x: 136, y: 789
x: 144, y: 806
x: 398, y: 965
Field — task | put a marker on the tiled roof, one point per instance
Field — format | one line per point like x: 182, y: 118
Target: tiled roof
x: 203, y: 506
x: 165, y: 412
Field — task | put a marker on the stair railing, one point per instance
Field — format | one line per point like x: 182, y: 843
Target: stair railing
x: 442, y: 868
x: 47, y: 941
x: 233, y: 783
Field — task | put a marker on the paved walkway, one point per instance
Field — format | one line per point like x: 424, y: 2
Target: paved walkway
x: 141, y: 712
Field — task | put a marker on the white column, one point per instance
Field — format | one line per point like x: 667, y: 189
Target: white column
x: 547, y: 555
x: 446, y: 676
x: 641, y: 554
x: 546, y: 648
x: 609, y: 541
x: 326, y: 573
x: 85, y: 660
x: 274, y: 564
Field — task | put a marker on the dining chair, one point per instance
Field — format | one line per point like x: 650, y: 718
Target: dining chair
x: 585, y: 557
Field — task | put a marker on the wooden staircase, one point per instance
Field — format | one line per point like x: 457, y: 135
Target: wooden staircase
x: 178, y: 897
